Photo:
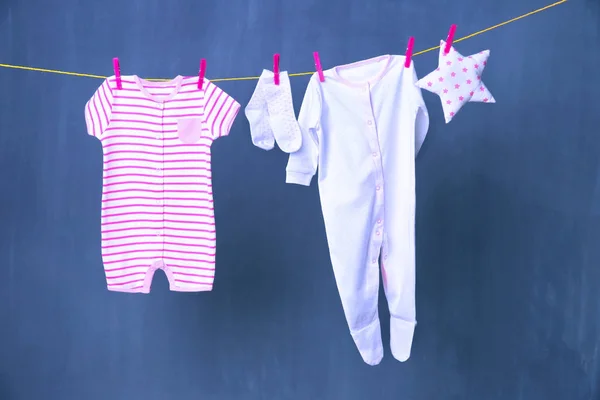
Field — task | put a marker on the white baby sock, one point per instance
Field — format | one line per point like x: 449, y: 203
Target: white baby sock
x: 258, y: 116
x: 271, y: 114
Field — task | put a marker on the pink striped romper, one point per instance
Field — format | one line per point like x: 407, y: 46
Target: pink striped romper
x: 157, y: 205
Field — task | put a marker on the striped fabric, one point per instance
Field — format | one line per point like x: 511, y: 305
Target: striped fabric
x: 157, y: 205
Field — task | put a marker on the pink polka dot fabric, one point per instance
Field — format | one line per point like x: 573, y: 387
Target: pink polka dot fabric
x: 457, y: 80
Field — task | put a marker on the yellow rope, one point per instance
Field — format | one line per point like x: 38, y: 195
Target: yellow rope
x: 246, y: 78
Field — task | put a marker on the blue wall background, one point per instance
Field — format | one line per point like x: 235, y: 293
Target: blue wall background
x: 508, y: 211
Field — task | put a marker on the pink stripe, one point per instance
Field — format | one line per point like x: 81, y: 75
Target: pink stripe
x: 125, y: 275
x: 129, y: 259
x: 151, y: 183
x: 157, y: 86
x: 157, y: 145
x: 154, y: 228
x: 139, y: 121
x: 150, y: 198
x: 155, y: 205
x: 174, y: 153
x: 126, y: 89
x: 146, y: 160
x: 148, y: 266
x: 164, y: 169
x: 106, y: 215
x: 112, y: 128
x: 167, y: 236
x: 197, y: 253
x: 138, y: 113
x: 194, y: 260
x: 138, y: 98
x: 155, y: 250
x: 133, y: 105
x: 196, y: 115
x: 186, y: 267
x: 165, y: 176
x: 185, y: 116
x: 186, y: 107
x: 187, y: 99
x: 153, y: 243
x: 153, y: 138
x: 161, y: 226
x: 172, y: 228
x: 130, y: 228
x: 195, y: 275
x: 124, y: 283
x: 123, y: 268
x: 158, y: 191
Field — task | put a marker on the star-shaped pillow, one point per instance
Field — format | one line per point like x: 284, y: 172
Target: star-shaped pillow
x: 457, y: 80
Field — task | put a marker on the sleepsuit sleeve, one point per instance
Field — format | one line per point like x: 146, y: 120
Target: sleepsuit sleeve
x: 220, y: 110
x: 302, y: 164
x: 98, y: 110
x: 421, y: 114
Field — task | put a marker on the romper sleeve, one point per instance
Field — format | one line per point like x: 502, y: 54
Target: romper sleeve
x: 98, y: 110
x: 220, y: 110
x: 302, y: 164
x: 421, y: 114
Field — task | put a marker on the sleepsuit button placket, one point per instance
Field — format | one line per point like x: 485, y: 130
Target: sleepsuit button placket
x: 160, y: 179
x: 373, y: 139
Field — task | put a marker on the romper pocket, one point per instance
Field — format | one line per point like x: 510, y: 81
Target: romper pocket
x: 189, y: 130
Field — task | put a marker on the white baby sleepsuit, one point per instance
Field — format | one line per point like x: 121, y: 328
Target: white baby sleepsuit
x: 363, y: 127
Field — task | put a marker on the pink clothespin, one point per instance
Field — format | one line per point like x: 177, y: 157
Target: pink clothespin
x: 117, y: 69
x: 201, y: 73
x: 318, y: 66
x: 450, y: 38
x: 276, y: 68
x: 409, y: 51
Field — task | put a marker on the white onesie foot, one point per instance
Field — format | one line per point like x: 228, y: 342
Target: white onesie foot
x: 401, y: 337
x: 368, y: 342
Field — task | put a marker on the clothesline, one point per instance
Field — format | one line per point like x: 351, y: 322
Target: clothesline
x: 244, y: 78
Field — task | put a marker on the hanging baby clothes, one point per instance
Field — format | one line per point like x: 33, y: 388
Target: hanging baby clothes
x: 157, y: 204
x: 270, y: 113
x: 362, y: 127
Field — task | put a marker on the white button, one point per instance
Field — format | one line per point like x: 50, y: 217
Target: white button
x: 379, y: 221
x: 158, y: 233
x: 158, y: 136
x: 158, y: 168
x: 374, y: 261
x: 369, y: 122
x: 385, y: 257
x: 158, y: 202
x: 374, y: 154
x: 378, y: 187
x: 378, y: 233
